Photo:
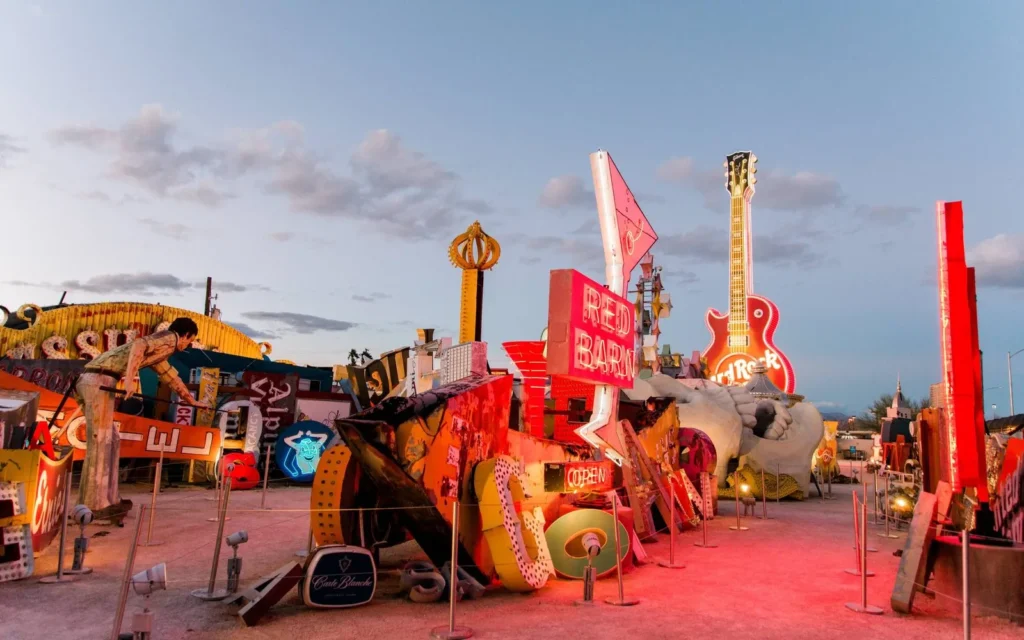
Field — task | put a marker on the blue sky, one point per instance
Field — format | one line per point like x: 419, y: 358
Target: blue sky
x: 316, y: 158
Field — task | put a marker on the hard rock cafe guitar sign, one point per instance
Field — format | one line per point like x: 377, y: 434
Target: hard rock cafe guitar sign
x: 745, y: 335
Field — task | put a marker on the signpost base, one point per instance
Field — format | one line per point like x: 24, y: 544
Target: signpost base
x: 871, y: 609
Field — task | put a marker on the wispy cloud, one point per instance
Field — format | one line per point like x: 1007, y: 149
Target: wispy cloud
x: 299, y: 322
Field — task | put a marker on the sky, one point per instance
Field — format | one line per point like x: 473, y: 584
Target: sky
x: 316, y: 158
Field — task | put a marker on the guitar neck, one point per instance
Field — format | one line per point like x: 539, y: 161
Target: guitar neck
x: 739, y: 269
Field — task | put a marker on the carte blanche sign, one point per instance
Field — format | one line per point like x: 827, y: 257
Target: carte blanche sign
x: 339, y: 576
x: 590, y: 331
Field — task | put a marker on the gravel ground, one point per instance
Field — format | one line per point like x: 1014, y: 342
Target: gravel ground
x: 782, y: 579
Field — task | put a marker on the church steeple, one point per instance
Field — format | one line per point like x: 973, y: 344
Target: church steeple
x: 899, y: 407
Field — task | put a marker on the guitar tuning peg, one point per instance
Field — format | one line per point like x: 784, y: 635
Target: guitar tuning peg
x: 753, y: 158
x: 753, y: 181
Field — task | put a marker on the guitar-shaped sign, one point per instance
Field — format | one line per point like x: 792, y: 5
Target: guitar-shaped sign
x: 746, y: 334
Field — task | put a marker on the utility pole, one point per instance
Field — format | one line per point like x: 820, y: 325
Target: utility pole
x: 209, y: 295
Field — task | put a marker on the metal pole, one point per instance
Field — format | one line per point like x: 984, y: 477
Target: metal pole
x: 451, y: 632
x: 778, y: 483
x: 152, y: 503
x: 671, y: 564
x: 885, y: 512
x: 209, y: 593
x: 705, y: 485
x: 266, y: 478
x: 863, y: 606
x: 857, y: 549
x: 736, y: 485
x: 60, y: 577
x: 874, y: 497
x: 621, y: 600
x: 966, y: 570
x: 126, y: 577
x: 1009, y: 376
x: 221, y: 491
x: 764, y: 497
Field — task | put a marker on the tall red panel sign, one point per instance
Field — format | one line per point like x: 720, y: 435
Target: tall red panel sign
x: 966, y: 459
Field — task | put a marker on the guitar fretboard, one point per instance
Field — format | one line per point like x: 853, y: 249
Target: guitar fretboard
x: 739, y: 329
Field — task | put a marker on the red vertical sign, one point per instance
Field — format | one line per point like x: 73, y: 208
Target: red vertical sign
x: 979, y: 394
x: 958, y: 366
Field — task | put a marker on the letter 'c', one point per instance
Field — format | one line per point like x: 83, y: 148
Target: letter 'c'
x: 517, y: 542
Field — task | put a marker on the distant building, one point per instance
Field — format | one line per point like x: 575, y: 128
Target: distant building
x: 936, y: 396
x: 899, y: 407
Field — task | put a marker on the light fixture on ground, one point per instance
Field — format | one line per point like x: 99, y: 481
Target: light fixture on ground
x: 234, y: 562
x: 592, y: 545
x: 144, y: 584
x: 82, y: 516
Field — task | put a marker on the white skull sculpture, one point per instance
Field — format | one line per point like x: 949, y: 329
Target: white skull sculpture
x: 730, y: 416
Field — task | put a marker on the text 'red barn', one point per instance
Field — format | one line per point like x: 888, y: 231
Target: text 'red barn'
x: 590, y: 331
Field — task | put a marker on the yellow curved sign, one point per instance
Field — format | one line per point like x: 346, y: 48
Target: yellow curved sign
x: 516, y: 541
x: 87, y: 330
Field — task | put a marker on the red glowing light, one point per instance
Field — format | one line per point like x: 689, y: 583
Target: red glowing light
x: 590, y: 331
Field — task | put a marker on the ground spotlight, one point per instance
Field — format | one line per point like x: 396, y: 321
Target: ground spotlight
x: 82, y: 516
x: 235, y: 540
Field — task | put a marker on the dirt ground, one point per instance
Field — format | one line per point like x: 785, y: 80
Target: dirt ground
x: 782, y: 579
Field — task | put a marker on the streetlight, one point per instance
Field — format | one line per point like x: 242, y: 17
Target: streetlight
x: 1009, y: 375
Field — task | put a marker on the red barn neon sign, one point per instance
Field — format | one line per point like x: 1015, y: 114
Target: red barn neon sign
x: 590, y: 331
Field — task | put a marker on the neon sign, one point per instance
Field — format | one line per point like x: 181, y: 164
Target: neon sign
x: 966, y: 464
x: 299, y: 448
x: 590, y: 331
x: 736, y: 368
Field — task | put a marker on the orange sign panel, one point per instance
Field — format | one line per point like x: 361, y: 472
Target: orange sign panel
x: 140, y: 437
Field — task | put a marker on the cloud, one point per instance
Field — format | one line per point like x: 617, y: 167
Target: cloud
x: 564, y: 192
x: 390, y: 187
x: 372, y: 297
x: 8, y: 148
x: 143, y: 283
x: 224, y: 286
x: 707, y: 244
x: 173, y: 230
x: 144, y: 154
x: 255, y: 334
x: 803, y: 191
x: 281, y: 236
x: 680, y: 276
x: 999, y: 261
x: 886, y: 214
x: 300, y: 322
x: 583, y: 249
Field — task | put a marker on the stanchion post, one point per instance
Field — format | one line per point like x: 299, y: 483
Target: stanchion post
x: 863, y: 606
x: 221, y: 490
x: 778, y: 482
x: 266, y: 478
x: 671, y: 564
x: 451, y: 632
x: 764, y: 497
x: 60, y: 578
x: 736, y: 490
x: 152, y: 503
x: 858, y: 526
x: 705, y: 485
x: 126, y: 576
x: 874, y: 497
x: 885, y: 512
x: 621, y: 601
x: 210, y: 593
x: 965, y: 569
